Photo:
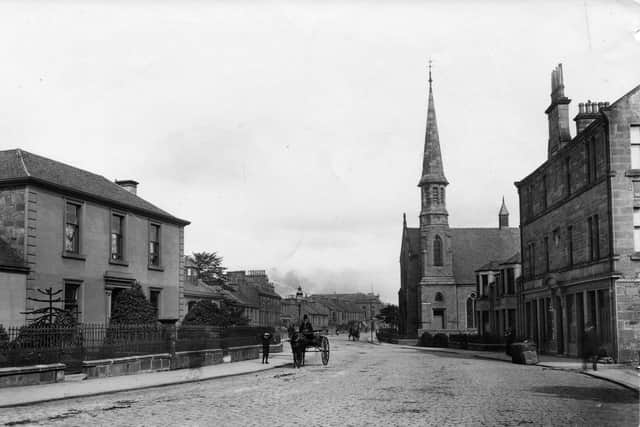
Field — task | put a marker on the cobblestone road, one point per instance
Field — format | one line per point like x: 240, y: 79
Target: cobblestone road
x: 363, y: 385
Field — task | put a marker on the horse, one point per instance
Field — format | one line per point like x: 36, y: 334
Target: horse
x: 354, y: 332
x: 298, y: 346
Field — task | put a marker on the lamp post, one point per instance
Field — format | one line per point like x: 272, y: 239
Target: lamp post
x: 299, y: 296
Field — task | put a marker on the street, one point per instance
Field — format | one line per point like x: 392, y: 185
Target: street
x: 363, y: 384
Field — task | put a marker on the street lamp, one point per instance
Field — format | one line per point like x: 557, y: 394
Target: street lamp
x: 299, y: 296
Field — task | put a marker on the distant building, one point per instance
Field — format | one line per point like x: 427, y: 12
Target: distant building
x: 293, y: 310
x: 342, y: 312
x: 254, y: 286
x: 496, y: 305
x: 368, y: 303
x: 88, y: 236
x: 437, y: 263
x: 580, y: 224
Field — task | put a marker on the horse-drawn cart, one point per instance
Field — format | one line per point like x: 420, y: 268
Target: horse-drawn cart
x: 301, y: 344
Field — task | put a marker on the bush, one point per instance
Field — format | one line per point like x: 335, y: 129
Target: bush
x: 441, y: 340
x: 130, y: 306
x: 461, y: 339
x: 207, y: 313
x: 426, y: 340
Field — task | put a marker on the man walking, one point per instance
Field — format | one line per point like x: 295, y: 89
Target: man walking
x: 266, y: 342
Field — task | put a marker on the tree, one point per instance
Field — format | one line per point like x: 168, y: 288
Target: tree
x: 209, y: 266
x: 390, y: 314
x: 130, y: 306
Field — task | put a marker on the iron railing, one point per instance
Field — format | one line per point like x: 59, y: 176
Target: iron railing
x: 31, y: 345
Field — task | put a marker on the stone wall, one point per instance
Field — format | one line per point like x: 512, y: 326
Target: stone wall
x: 31, y: 375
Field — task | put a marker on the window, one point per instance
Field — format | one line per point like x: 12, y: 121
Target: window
x: 531, y: 252
x: 567, y: 171
x: 442, y: 195
x: 72, y: 228
x: 636, y: 229
x: 437, y: 251
x: 485, y: 285
x: 593, y: 231
x: 439, y: 297
x: 72, y: 298
x: 435, y: 195
x: 511, y: 281
x: 570, y: 244
x: 154, y: 245
x: 117, y: 235
x: 546, y: 253
x: 635, y: 146
x: 636, y: 189
x: 470, y: 313
x: 154, y: 299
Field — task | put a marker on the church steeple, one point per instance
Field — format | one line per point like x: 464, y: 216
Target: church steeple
x: 433, y: 182
x: 503, y: 216
x: 432, y: 170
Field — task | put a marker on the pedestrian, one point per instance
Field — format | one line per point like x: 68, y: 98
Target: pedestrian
x: 266, y: 342
x: 589, y: 347
x: 510, y: 337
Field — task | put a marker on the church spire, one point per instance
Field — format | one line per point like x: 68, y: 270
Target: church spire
x: 503, y: 216
x: 432, y: 170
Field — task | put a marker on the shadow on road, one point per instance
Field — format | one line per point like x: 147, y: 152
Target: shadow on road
x: 589, y: 393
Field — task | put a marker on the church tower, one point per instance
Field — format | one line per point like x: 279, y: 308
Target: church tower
x: 436, y: 288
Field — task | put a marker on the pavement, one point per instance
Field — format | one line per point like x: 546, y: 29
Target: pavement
x: 28, y: 395
x: 621, y: 374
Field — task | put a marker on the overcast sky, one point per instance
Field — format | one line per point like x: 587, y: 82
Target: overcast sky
x: 290, y: 133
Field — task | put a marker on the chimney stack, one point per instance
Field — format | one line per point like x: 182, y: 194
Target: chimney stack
x: 128, y: 184
x: 587, y: 113
x: 558, y: 113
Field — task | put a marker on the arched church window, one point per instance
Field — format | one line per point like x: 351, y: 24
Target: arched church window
x: 470, y: 313
x: 437, y: 251
x: 439, y: 297
x: 442, y: 195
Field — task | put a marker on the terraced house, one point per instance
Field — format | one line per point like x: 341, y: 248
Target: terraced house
x: 580, y: 225
x: 88, y: 236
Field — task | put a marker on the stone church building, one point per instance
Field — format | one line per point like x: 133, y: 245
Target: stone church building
x: 437, y: 262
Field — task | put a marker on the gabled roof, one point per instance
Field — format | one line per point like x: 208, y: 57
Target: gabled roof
x: 490, y: 266
x: 475, y: 247
x: 19, y: 166
x: 10, y: 260
x: 200, y: 289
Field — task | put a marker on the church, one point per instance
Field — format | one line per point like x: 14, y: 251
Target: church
x: 437, y: 263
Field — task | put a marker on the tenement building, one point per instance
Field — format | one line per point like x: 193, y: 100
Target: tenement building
x: 580, y: 224
x: 437, y: 262
x: 83, y: 234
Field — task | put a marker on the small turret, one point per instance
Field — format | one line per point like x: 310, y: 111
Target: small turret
x: 503, y: 216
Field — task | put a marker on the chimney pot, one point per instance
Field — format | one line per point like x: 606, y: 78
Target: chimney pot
x: 128, y: 184
x: 581, y: 107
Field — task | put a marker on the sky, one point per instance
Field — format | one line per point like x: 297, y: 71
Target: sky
x: 290, y: 133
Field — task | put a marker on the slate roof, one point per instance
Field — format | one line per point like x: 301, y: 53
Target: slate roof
x: 21, y: 166
x: 9, y: 259
x: 474, y: 247
x: 515, y: 259
x: 200, y: 289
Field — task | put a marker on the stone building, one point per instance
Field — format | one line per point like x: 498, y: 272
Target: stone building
x: 437, y: 262
x: 580, y: 223
x: 253, y: 286
x: 496, y: 305
x: 368, y: 303
x: 91, y: 237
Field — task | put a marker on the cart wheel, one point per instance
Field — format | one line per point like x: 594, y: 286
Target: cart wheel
x: 325, y: 350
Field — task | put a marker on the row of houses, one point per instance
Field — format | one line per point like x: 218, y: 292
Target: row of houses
x: 579, y: 236
x: 331, y: 311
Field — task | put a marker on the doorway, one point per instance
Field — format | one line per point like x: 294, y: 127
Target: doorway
x: 438, y: 318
